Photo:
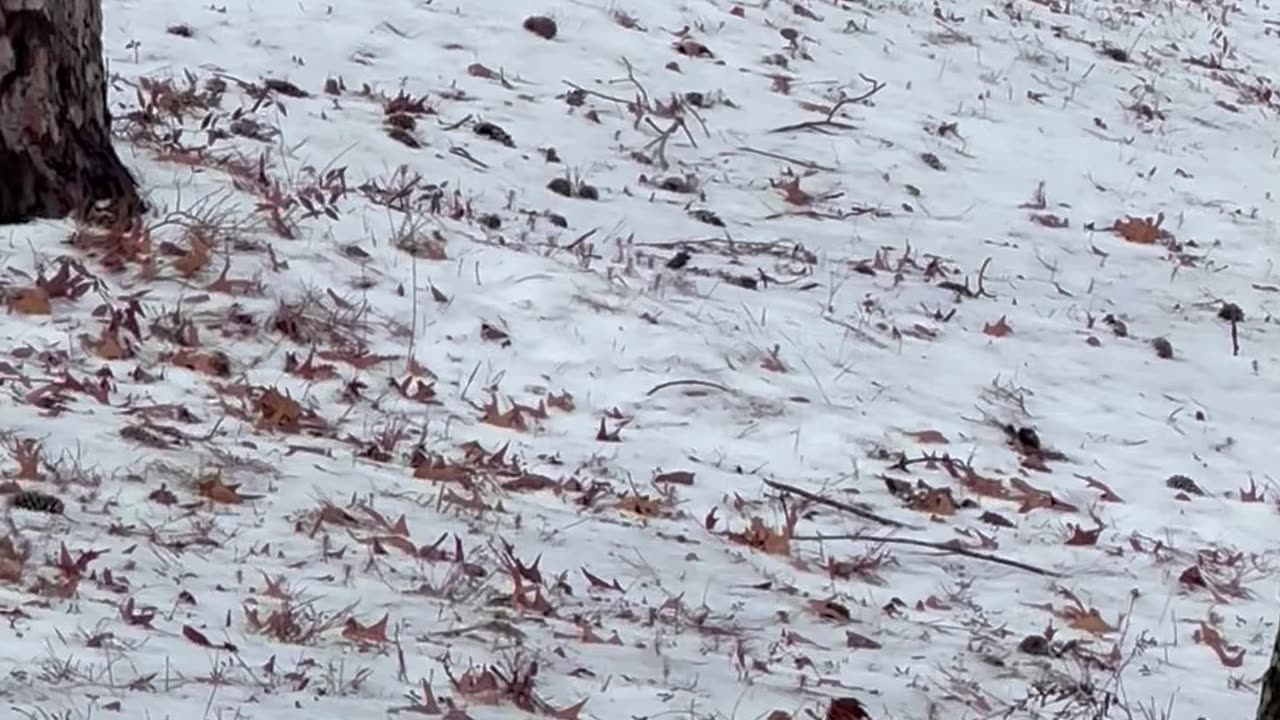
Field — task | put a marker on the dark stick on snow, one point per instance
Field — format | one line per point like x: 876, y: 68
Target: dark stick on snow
x: 843, y: 507
x: 674, y: 383
x: 956, y: 549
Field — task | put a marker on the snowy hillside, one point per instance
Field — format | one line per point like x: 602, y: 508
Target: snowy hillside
x: 809, y: 360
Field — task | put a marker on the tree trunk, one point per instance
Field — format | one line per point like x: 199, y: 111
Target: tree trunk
x: 56, y: 156
x: 1269, y: 702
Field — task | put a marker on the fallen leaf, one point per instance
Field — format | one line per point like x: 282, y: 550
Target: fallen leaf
x: 214, y: 489
x: 676, y: 477
x: 936, y: 501
x: 31, y: 301
x: 1080, y: 536
x: 847, y: 708
x: 195, y: 259
x: 1229, y: 655
x: 375, y: 634
x: 1089, y: 621
x: 792, y: 193
x: 1142, y: 231
x: 928, y: 437
x: 999, y: 328
x: 860, y: 642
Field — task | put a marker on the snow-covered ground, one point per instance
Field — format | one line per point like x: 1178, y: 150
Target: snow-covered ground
x: 472, y: 373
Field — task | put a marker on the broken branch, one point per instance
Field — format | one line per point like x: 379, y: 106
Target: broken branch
x: 945, y: 547
x: 830, y: 121
x: 842, y: 506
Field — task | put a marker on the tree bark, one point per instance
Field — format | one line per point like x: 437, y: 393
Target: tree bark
x: 56, y: 155
x: 1269, y: 700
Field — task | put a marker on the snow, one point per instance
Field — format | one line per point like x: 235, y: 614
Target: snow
x: 867, y: 335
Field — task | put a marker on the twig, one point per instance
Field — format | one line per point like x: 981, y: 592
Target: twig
x: 643, y: 94
x: 845, y: 507
x: 465, y: 155
x: 660, y: 153
x: 456, y: 125
x: 964, y: 289
x: 945, y: 547
x: 674, y: 383
x: 602, y: 96
x: 776, y: 156
x: 830, y: 121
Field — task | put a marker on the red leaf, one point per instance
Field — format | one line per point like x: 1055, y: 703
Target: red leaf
x: 599, y: 583
x: 196, y: 636
x: 999, y: 328
x: 1080, y: 536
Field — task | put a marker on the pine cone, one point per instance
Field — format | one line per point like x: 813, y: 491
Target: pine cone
x: 36, y: 501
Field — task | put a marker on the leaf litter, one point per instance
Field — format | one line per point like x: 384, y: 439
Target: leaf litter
x: 408, y: 384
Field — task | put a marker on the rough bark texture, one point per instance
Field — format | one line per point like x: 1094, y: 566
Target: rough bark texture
x: 56, y: 156
x: 1269, y: 702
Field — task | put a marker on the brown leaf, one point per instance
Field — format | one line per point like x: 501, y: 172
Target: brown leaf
x: 512, y: 419
x: 999, y: 328
x: 308, y: 369
x: 31, y: 301
x: 847, y: 708
x: 212, y: 487
x: 831, y: 611
x: 1080, y: 536
x: 195, y: 259
x: 601, y: 584
x: 936, y: 501
x: 762, y: 537
x: 1108, y: 495
x: 605, y: 435
x: 1089, y: 621
x: 215, y: 363
x: 860, y: 642
x: 1229, y: 655
x: 196, y: 636
x: 928, y: 437
x: 792, y: 193
x: 772, y: 362
x: 375, y: 634
x: 675, y: 477
x: 991, y: 518
x: 1252, y: 495
x: 1142, y: 231
x: 1050, y: 220
x: 278, y: 411
x: 563, y: 401
x: 12, y: 561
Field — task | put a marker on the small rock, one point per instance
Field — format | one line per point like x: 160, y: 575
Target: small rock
x: 1117, y: 325
x: 561, y: 186
x: 494, y: 133
x: 1231, y: 312
x: 1182, y: 483
x: 706, y: 216
x: 541, y: 25
x: 1028, y: 438
x: 1164, y: 348
x: 401, y: 120
x: 588, y: 192
x: 1034, y: 645
x: 36, y: 501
